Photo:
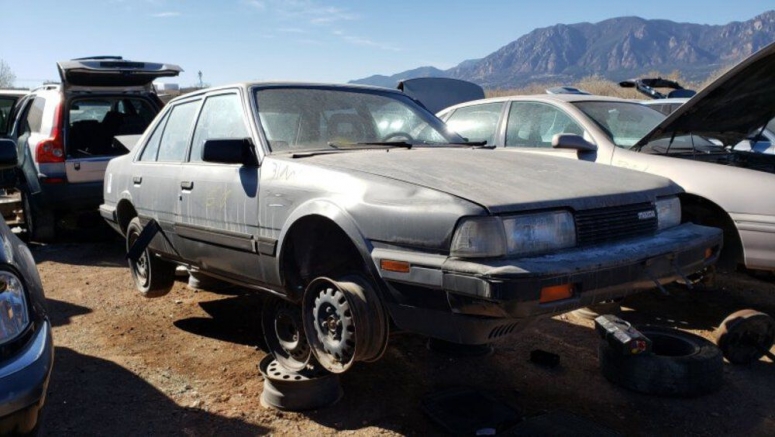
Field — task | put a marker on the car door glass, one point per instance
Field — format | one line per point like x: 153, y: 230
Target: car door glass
x: 6, y: 104
x: 476, y: 122
x: 533, y: 124
x: 152, y: 146
x: 221, y: 118
x: 177, y: 132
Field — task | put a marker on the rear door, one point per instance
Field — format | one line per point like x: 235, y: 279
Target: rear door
x: 157, y: 170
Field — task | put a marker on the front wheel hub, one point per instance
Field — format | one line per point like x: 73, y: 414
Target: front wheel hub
x: 344, y: 321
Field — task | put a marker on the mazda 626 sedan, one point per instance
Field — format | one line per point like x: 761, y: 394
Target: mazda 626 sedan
x: 359, y: 213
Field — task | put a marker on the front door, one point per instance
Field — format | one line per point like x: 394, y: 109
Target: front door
x: 219, y: 202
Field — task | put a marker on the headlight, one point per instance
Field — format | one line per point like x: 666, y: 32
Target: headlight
x: 521, y: 235
x: 668, y: 212
x: 14, y: 316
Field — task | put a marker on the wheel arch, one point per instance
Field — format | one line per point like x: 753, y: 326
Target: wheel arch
x: 319, y: 223
x: 125, y: 212
x: 702, y: 211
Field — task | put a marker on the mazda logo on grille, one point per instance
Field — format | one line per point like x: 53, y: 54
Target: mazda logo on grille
x: 645, y: 215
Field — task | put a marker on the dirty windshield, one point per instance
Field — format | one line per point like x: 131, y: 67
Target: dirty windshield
x: 626, y: 123
x: 304, y: 119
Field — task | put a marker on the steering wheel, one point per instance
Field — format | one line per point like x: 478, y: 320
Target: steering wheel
x: 397, y: 134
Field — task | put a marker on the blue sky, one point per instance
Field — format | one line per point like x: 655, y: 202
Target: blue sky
x: 310, y: 40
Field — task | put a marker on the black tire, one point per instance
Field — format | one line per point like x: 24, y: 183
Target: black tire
x: 38, y: 221
x: 745, y: 336
x: 152, y: 275
x: 681, y: 364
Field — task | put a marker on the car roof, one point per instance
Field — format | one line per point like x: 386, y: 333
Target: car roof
x: 283, y: 84
x: 570, y: 98
x: 17, y: 93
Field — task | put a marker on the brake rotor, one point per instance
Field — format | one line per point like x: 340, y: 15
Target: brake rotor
x: 745, y: 336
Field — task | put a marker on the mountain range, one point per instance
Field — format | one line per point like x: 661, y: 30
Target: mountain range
x: 615, y: 49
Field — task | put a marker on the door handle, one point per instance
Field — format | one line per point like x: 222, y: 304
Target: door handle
x: 137, y: 180
x: 187, y: 185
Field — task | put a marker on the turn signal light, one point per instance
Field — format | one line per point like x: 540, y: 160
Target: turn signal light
x: 394, y: 266
x: 556, y: 292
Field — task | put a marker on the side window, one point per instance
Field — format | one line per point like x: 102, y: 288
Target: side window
x: 5, y: 113
x: 476, y: 122
x: 221, y: 118
x: 34, y: 119
x: 152, y: 146
x: 177, y: 132
x: 535, y: 124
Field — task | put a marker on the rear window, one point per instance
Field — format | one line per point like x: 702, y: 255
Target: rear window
x: 93, y: 122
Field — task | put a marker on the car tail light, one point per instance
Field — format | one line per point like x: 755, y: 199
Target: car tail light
x: 52, y: 149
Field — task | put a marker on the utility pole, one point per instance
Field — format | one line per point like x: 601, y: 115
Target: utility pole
x: 201, y: 84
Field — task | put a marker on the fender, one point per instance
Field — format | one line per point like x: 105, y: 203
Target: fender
x: 335, y: 213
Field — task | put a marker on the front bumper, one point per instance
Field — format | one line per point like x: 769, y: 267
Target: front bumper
x: 476, y: 301
x: 24, y: 380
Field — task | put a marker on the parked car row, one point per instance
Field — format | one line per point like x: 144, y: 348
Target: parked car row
x: 358, y: 212
x: 694, y: 146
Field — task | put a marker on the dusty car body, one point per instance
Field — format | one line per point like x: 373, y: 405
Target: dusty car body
x: 693, y: 146
x: 26, y: 346
x: 363, y: 214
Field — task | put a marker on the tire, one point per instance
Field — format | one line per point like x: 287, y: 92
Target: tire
x: 39, y: 222
x: 681, y: 365
x: 745, y: 336
x: 152, y: 275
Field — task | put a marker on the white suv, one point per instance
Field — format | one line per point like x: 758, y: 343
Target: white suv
x: 64, y: 133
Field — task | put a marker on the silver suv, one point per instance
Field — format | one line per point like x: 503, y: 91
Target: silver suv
x: 64, y: 133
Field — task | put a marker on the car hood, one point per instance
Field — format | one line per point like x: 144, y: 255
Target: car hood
x: 741, y: 100
x: 501, y: 181
x: 437, y: 93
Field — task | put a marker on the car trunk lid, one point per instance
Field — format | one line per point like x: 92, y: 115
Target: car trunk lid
x: 113, y: 71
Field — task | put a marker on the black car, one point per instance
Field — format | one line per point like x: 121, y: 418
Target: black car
x: 26, y: 347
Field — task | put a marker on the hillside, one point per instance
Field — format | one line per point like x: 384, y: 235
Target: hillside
x: 618, y: 48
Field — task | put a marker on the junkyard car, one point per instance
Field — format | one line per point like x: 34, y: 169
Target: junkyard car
x: 26, y: 348
x: 357, y: 208
x: 65, y: 133
x: 8, y: 100
x: 723, y: 185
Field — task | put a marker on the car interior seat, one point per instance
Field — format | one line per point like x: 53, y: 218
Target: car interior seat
x: 346, y: 128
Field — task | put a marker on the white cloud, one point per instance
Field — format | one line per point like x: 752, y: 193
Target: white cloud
x: 165, y: 14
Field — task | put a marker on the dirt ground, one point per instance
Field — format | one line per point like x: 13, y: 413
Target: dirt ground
x: 186, y: 364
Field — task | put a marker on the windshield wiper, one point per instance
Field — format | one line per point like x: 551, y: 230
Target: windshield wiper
x: 367, y: 144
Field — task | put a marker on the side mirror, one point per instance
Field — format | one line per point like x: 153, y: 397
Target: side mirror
x: 230, y: 151
x: 572, y: 141
x: 8, y: 156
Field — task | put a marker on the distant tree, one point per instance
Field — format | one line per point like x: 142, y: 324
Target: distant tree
x: 7, y: 78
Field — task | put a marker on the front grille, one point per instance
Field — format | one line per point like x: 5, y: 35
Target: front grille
x: 616, y: 223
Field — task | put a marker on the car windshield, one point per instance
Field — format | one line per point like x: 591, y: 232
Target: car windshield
x: 626, y: 123
x: 315, y: 118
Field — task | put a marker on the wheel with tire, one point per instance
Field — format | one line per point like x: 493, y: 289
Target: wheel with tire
x: 39, y: 222
x: 681, y: 364
x: 344, y: 321
x: 284, y: 334
x: 152, y: 275
x: 745, y: 336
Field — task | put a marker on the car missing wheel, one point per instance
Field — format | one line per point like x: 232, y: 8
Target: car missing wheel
x: 359, y: 213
